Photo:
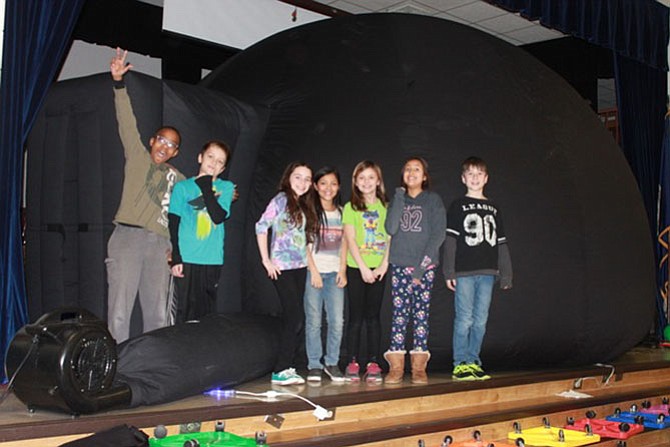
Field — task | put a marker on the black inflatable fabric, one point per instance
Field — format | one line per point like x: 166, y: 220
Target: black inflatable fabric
x: 384, y: 86
x: 119, y: 436
x: 75, y: 166
x: 75, y: 161
x: 219, y: 351
x: 377, y: 87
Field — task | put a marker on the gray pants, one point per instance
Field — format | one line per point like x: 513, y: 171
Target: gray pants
x: 136, y: 262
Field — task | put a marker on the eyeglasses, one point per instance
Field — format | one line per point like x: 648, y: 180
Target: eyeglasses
x: 162, y: 140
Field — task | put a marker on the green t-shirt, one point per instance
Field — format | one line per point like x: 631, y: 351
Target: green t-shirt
x: 371, y: 237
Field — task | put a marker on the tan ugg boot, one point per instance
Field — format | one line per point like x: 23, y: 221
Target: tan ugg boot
x: 396, y: 361
x: 419, y: 362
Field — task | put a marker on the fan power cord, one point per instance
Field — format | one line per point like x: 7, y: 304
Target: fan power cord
x: 10, y: 385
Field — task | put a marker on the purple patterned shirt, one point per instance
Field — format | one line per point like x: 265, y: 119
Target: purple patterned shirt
x: 288, y: 246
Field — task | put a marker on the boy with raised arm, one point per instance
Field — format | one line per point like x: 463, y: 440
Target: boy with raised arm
x: 138, y: 250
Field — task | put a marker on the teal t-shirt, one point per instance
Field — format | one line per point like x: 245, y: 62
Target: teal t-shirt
x: 200, y: 239
x: 371, y: 237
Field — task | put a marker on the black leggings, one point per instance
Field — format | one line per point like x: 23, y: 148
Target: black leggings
x: 365, y: 302
x: 290, y: 286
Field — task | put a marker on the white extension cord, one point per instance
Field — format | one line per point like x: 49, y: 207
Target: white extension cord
x: 319, y: 412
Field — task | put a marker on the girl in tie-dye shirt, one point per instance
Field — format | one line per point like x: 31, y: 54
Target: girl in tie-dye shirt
x: 286, y: 261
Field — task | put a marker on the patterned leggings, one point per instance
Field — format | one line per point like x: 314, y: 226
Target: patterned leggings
x: 410, y: 301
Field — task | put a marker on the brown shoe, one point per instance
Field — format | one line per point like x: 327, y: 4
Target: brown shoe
x: 419, y: 362
x: 396, y: 361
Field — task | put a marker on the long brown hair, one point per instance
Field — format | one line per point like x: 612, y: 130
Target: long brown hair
x: 320, y: 223
x: 357, y: 199
x: 296, y: 206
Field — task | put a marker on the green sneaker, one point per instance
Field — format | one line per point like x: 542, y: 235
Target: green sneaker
x: 287, y: 377
x: 478, y: 372
x: 463, y: 372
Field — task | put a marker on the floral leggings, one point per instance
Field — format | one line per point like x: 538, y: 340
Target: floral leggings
x: 410, y: 300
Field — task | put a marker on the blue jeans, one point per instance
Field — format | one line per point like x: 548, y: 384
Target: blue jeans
x: 332, y: 298
x: 472, y: 302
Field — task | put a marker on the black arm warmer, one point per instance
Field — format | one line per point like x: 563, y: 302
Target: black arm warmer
x: 504, y: 266
x: 173, y: 226
x: 216, y: 213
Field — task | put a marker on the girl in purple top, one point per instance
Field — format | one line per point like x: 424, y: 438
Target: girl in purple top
x: 286, y: 261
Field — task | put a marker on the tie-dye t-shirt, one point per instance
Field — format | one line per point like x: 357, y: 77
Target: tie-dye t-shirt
x: 288, y: 246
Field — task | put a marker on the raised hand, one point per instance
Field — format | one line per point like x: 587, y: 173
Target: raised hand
x: 118, y: 66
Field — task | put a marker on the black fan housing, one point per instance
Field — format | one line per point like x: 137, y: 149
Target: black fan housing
x: 66, y: 360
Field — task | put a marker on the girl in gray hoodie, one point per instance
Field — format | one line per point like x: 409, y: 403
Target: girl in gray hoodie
x: 416, y: 222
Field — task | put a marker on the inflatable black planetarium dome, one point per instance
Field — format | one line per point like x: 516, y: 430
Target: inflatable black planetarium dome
x: 379, y: 87
x: 386, y: 86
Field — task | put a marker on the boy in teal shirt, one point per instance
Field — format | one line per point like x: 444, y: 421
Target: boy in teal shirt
x: 198, y: 207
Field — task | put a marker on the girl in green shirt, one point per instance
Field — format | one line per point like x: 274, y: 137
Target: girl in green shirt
x: 363, y: 219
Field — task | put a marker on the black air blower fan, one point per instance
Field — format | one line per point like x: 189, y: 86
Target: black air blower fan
x: 66, y: 360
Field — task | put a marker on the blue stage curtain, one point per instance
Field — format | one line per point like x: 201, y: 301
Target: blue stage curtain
x: 663, y: 245
x: 637, y: 29
x: 641, y: 93
x: 37, y: 33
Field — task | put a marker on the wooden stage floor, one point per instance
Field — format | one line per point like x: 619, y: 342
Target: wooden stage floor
x: 17, y: 423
